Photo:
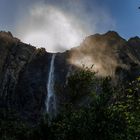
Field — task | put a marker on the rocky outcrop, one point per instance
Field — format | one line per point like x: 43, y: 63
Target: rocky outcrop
x: 14, y: 55
x: 110, y: 54
x: 24, y: 69
x: 102, y: 51
x: 24, y: 75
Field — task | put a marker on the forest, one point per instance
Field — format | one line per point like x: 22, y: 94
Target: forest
x: 112, y: 114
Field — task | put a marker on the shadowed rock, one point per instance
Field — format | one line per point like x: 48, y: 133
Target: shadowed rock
x: 24, y: 69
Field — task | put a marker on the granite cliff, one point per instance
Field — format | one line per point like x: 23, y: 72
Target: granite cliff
x: 24, y: 70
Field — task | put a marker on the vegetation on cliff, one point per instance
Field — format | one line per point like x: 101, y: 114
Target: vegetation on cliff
x: 113, y: 114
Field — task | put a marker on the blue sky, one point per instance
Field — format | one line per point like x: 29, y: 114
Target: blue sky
x: 127, y: 16
x: 92, y: 16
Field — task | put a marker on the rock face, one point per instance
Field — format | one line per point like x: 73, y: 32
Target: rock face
x: 24, y: 69
x: 24, y: 75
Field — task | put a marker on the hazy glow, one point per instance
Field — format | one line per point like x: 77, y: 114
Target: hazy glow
x: 61, y: 26
x: 48, y: 27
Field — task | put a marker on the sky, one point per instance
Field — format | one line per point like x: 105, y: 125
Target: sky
x: 58, y: 25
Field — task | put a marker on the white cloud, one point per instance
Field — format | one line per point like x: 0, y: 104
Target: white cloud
x: 56, y: 29
x: 48, y: 27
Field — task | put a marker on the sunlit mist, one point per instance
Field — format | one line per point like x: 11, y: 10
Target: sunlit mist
x: 57, y: 28
x: 48, y: 27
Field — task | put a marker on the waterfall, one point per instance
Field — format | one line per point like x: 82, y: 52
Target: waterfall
x: 51, y: 99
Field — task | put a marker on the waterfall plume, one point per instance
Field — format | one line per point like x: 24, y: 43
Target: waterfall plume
x: 51, y: 99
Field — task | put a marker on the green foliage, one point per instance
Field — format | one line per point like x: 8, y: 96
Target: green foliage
x: 128, y: 106
x: 80, y: 83
x: 113, y: 114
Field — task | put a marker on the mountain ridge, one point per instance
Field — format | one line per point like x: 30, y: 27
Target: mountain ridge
x: 24, y: 69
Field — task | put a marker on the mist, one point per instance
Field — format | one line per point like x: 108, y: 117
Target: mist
x: 60, y: 26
